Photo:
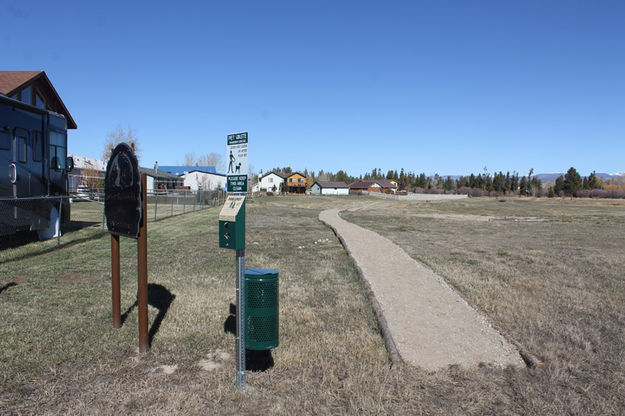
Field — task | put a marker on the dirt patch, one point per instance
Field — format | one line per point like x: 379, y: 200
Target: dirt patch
x: 18, y: 280
x: 478, y: 218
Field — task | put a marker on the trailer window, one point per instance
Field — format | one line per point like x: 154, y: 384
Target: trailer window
x: 37, y: 146
x: 5, y: 140
x: 26, y: 95
x: 21, y: 149
x: 39, y: 102
x: 58, y: 151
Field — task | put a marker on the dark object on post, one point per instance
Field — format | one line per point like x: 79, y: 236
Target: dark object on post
x: 122, y: 189
x: 261, y: 309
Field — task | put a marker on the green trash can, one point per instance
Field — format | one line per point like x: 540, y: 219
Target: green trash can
x: 261, y: 309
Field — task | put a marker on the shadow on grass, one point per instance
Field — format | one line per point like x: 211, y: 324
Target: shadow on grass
x: 8, y: 285
x: 158, y: 297
x: 79, y: 225
x: 261, y: 360
x: 18, y: 240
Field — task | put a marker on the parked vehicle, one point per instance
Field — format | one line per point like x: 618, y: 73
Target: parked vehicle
x: 33, y: 168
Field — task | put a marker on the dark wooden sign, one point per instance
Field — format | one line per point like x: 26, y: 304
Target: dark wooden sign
x: 122, y: 193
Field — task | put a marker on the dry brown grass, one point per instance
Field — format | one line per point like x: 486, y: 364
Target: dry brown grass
x: 555, y: 285
x: 59, y: 354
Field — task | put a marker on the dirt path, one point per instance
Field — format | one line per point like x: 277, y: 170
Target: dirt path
x: 430, y: 324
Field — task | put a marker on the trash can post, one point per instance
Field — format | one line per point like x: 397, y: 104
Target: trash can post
x: 240, y: 311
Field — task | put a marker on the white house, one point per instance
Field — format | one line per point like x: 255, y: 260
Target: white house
x: 271, y: 182
x: 207, y: 181
x: 329, y: 188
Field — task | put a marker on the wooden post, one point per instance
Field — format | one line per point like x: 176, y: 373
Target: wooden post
x: 142, y: 266
x: 117, y: 323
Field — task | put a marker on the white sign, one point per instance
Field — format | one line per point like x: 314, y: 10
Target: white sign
x: 236, y: 153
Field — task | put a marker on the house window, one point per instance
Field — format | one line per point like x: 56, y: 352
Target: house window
x: 37, y: 146
x: 292, y: 180
x: 301, y: 180
x: 39, y: 102
x: 270, y: 180
x: 26, y: 95
x: 58, y: 151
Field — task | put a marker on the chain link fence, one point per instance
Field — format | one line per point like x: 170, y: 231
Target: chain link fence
x: 86, y: 210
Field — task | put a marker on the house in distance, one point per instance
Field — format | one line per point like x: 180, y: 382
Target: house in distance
x: 384, y: 186
x: 271, y: 182
x: 329, y: 188
x: 295, y: 183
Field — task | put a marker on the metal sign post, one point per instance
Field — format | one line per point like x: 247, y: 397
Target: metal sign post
x: 232, y: 235
x: 240, y: 336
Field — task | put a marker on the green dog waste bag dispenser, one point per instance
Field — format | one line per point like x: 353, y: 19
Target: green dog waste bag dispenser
x: 261, y: 309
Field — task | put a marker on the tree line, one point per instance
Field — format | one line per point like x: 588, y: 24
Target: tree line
x: 482, y: 184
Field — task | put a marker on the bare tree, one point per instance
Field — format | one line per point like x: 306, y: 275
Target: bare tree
x: 189, y: 159
x: 211, y: 159
x: 118, y: 136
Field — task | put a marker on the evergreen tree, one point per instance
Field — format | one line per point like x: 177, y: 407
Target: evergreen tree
x: 422, y: 181
x: 558, y: 187
x: 448, y: 184
x: 523, y: 188
x: 593, y: 181
x: 572, y: 182
x: 341, y: 176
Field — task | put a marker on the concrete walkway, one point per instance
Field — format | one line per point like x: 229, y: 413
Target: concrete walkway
x: 430, y: 324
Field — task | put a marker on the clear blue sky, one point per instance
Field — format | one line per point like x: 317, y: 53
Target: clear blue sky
x: 446, y: 87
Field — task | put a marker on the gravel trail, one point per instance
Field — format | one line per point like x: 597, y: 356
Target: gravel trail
x: 430, y: 324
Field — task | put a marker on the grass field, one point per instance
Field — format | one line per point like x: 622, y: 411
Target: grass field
x: 552, y: 281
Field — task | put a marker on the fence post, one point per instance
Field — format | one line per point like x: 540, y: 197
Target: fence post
x: 155, y: 205
x: 194, y: 200
x: 184, y: 202
x: 171, y: 196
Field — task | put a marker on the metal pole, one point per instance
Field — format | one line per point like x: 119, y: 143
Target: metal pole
x: 142, y: 266
x: 171, y: 196
x: 194, y: 200
x: 117, y: 323
x: 155, y: 205
x: 184, y: 202
x: 103, y: 217
x: 240, y: 337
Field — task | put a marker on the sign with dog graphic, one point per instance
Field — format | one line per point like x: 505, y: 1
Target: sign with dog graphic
x: 236, y: 151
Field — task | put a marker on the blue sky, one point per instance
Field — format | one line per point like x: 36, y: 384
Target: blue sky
x: 447, y: 87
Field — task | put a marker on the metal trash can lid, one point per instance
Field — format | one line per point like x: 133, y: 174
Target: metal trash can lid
x: 260, y: 272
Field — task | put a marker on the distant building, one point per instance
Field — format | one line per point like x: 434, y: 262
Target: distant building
x: 271, y: 182
x: 379, y: 185
x: 329, y: 188
x: 181, y: 170
x: 87, y: 175
x: 207, y: 181
x: 295, y: 183
x: 159, y: 180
